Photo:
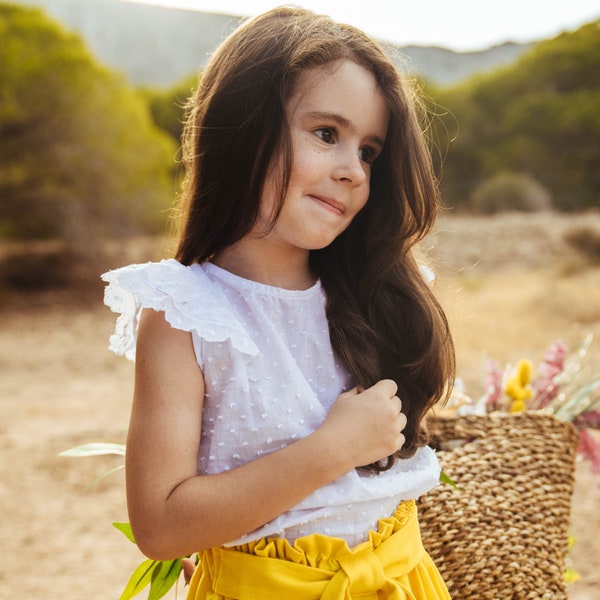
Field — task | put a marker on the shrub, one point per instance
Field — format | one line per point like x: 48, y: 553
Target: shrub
x: 510, y: 191
x: 79, y: 154
x: 586, y: 240
x: 35, y: 270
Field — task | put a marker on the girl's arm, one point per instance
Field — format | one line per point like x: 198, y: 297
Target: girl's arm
x: 174, y: 511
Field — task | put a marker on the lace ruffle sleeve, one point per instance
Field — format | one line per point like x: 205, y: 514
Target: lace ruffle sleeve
x: 185, y: 294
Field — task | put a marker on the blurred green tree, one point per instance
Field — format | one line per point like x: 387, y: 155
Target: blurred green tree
x: 80, y: 156
x: 538, y: 116
x: 167, y: 105
x: 168, y: 111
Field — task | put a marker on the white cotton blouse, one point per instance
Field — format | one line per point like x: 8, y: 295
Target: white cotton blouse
x: 270, y: 376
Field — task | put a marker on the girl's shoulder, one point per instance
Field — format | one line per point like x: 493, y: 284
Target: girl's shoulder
x: 190, y: 300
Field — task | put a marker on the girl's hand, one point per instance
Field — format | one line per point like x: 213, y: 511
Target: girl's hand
x: 367, y: 426
x: 189, y: 566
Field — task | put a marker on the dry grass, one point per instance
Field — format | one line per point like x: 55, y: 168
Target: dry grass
x: 510, y: 287
x: 518, y: 314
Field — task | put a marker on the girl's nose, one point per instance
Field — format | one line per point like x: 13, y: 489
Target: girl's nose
x: 350, y: 168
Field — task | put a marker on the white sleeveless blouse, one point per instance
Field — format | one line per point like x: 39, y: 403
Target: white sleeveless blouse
x: 271, y: 377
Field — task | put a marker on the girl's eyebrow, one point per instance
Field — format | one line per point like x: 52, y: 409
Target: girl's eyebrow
x: 341, y: 121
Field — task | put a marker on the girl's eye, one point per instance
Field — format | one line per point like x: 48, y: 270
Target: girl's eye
x: 326, y: 134
x: 368, y: 154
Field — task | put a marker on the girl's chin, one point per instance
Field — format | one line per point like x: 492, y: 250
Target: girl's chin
x: 319, y: 243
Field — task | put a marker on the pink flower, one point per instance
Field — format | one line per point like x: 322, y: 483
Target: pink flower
x: 493, y: 386
x: 590, y: 418
x: 546, y: 387
x: 589, y: 449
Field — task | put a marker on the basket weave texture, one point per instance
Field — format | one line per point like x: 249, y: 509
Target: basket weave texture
x: 504, y: 534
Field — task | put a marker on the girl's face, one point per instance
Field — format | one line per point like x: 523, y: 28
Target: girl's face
x: 338, y: 120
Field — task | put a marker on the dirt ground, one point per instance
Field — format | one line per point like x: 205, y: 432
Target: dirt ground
x: 510, y: 285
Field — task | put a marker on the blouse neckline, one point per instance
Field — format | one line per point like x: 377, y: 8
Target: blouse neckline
x: 243, y: 284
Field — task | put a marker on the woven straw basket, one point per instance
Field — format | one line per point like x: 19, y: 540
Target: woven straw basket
x: 504, y: 534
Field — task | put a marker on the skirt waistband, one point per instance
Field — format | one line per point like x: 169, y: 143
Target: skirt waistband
x: 318, y: 566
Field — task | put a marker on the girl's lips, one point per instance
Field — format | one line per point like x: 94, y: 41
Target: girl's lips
x: 330, y: 203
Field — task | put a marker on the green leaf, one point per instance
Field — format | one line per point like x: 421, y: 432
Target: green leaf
x: 95, y: 449
x: 125, y: 529
x: 140, y: 578
x: 164, y: 577
x: 105, y: 474
x: 445, y: 478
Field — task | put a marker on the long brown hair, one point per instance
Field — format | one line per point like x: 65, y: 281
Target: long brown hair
x: 384, y: 320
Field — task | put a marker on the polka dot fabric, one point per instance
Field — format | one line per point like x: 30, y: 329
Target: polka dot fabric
x: 270, y: 376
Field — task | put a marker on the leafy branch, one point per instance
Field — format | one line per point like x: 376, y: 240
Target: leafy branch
x: 160, y: 575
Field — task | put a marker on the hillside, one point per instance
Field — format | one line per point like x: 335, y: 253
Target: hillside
x: 159, y: 46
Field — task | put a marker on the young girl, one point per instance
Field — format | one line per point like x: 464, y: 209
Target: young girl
x: 293, y: 348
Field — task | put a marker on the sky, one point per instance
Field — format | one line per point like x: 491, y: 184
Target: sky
x: 460, y: 25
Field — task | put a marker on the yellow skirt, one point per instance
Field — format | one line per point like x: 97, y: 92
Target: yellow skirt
x: 391, y: 565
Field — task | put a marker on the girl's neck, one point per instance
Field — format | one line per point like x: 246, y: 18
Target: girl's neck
x: 264, y: 262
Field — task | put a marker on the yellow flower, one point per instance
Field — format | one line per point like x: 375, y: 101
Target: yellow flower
x: 518, y: 387
x: 571, y: 576
x: 517, y: 406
